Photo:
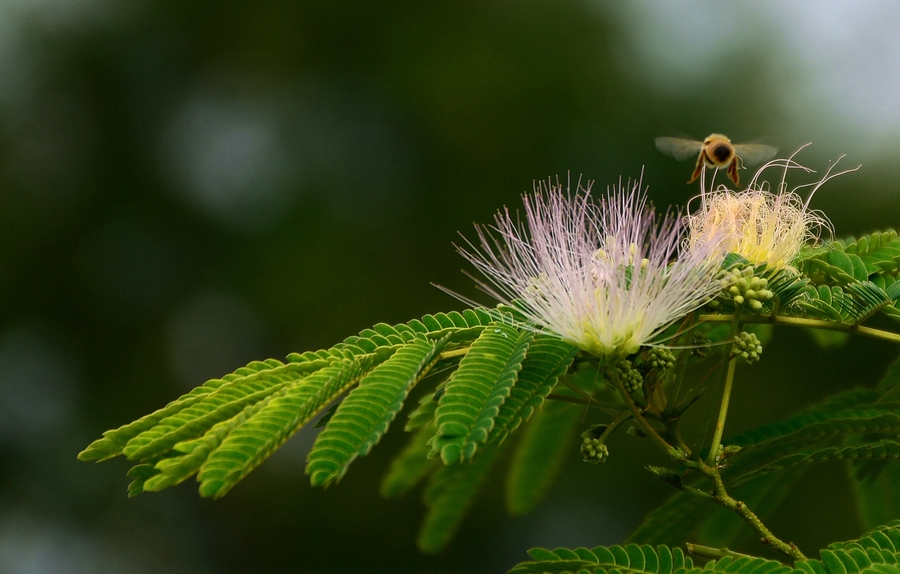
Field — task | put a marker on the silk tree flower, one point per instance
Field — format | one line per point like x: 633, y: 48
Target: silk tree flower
x: 607, y: 276
x: 760, y: 225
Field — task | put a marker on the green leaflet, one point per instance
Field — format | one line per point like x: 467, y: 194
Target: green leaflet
x: 221, y: 405
x: 448, y: 497
x: 548, y: 359
x: 424, y: 413
x: 411, y: 465
x: 851, y: 304
x: 877, y: 488
x: 813, y: 430
x: 545, y: 443
x: 686, y: 517
x: 177, y: 440
x: 624, y: 559
x: 252, y: 442
x: 877, y: 552
x: 882, y: 449
x: 174, y: 468
x: 364, y: 416
x: 879, y: 252
x: 472, y: 398
x: 113, y: 442
x: 836, y: 406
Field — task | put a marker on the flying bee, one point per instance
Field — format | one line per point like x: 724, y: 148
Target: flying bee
x: 716, y: 151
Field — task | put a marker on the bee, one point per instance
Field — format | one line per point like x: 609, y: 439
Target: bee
x: 716, y: 151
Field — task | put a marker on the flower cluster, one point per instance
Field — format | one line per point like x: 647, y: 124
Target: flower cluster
x: 760, y: 225
x: 607, y: 276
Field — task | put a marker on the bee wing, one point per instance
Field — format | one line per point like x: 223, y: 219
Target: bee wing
x: 679, y: 148
x: 752, y: 154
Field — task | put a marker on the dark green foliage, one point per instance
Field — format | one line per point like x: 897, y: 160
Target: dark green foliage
x: 850, y: 425
x: 877, y: 552
x: 540, y: 453
x: 411, y: 465
x: 686, y: 517
x: 548, y: 359
x: 364, y: 416
x: 472, y: 398
x: 449, y: 496
x: 629, y: 558
x: 226, y: 427
x: 877, y: 488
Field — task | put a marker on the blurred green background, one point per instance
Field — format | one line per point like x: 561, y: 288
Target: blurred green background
x: 188, y: 186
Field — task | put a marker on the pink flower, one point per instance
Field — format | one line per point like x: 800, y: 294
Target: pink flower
x: 607, y: 276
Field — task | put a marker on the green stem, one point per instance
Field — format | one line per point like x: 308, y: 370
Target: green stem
x: 739, y: 508
x: 675, y: 435
x: 680, y: 369
x: 714, y: 553
x: 726, y: 392
x: 614, y: 425
x: 610, y: 408
x: 645, y: 426
x: 454, y: 353
x: 809, y: 323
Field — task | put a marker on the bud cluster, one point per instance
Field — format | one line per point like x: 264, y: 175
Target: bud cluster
x: 748, y: 346
x: 661, y: 359
x: 742, y: 286
x: 631, y: 378
x: 593, y: 451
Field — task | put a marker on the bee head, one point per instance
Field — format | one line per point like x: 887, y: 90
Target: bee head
x: 721, y: 152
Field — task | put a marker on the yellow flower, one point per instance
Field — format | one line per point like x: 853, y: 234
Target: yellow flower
x: 760, y: 225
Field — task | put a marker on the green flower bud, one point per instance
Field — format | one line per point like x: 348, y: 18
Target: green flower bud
x: 631, y: 378
x: 593, y: 451
x: 742, y: 286
x: 748, y: 346
x: 661, y: 359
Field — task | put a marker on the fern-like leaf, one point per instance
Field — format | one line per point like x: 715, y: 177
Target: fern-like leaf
x: 545, y: 443
x: 472, y: 398
x: 410, y: 466
x: 630, y: 558
x: 252, y: 442
x: 448, y: 497
x: 548, y: 359
x: 851, y: 305
x: 175, y: 467
x: 364, y: 416
x: 883, y: 449
x: 686, y: 517
x: 114, y: 441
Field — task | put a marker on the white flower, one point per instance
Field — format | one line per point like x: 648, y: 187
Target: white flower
x: 605, y: 276
x: 758, y: 224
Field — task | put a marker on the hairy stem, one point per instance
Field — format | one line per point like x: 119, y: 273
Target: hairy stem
x: 721, y: 496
